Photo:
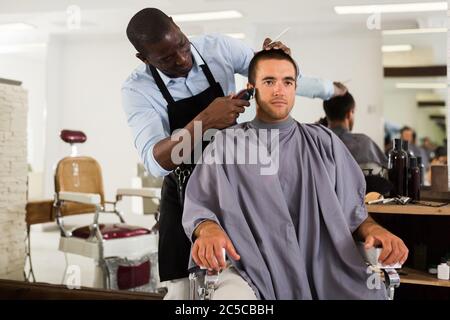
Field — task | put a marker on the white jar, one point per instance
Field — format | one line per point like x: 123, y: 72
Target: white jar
x: 443, y: 271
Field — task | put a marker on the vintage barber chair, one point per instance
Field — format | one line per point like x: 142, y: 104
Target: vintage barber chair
x: 202, y: 282
x: 391, y: 277
x: 125, y: 255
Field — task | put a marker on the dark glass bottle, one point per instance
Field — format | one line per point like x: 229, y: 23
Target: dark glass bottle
x: 413, y: 179
x: 405, y: 147
x: 410, y: 153
x: 397, y: 159
x: 422, y: 170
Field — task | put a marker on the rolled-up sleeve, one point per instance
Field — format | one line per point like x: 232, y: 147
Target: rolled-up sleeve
x: 146, y: 127
x: 315, y: 88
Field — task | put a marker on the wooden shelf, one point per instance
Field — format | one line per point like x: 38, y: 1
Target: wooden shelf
x: 421, y: 278
x: 409, y: 209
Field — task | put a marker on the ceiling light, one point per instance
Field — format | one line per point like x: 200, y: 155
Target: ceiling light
x: 397, y: 48
x: 17, y: 26
x: 391, y: 8
x: 205, y: 16
x: 413, y: 31
x: 411, y: 85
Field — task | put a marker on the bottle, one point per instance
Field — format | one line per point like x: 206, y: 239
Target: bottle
x: 397, y: 169
x: 443, y: 271
x: 422, y: 170
x: 410, y: 153
x: 405, y: 147
x: 413, y: 179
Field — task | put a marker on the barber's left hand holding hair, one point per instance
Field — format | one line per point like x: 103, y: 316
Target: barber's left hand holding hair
x: 275, y: 45
x: 207, y: 248
x: 394, y: 249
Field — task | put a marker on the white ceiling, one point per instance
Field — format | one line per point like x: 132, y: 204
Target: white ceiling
x: 110, y: 17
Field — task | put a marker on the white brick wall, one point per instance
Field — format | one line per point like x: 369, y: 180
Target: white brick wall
x: 13, y: 178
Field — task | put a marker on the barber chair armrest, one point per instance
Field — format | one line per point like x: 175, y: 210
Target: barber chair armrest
x: 371, y: 257
x: 80, y: 197
x: 139, y: 192
x: 391, y: 277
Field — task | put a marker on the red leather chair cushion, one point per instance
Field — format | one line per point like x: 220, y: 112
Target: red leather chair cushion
x: 112, y: 231
x: 71, y: 136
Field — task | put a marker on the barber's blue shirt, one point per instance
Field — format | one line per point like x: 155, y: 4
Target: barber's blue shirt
x: 146, y: 108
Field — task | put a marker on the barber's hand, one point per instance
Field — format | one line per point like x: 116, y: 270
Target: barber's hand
x: 275, y: 45
x: 207, y: 248
x: 339, y: 89
x: 394, y: 249
x: 222, y: 112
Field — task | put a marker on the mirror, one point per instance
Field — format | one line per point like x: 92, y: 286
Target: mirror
x: 415, y: 87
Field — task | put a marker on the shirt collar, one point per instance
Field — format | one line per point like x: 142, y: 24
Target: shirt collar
x: 197, y: 61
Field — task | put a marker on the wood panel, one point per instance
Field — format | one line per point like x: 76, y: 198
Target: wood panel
x: 10, y: 289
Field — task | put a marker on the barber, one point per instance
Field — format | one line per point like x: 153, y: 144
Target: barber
x: 181, y: 82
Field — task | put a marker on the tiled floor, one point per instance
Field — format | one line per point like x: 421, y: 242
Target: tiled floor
x: 49, y: 263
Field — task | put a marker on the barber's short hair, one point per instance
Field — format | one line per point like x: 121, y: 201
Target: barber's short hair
x: 336, y: 108
x: 149, y: 25
x: 276, y: 54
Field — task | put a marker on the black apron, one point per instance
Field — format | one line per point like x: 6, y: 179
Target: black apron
x: 174, y: 247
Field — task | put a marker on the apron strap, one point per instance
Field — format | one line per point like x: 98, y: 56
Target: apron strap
x: 161, y: 86
x: 206, y: 70
x: 208, y: 74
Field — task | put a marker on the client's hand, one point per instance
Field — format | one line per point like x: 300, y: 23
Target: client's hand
x: 394, y: 249
x: 207, y: 248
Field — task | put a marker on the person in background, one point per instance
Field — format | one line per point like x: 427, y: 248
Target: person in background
x: 440, y: 159
x: 429, y: 147
x: 340, y: 116
x: 408, y: 134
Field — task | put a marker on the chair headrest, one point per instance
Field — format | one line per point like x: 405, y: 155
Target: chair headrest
x: 72, y: 136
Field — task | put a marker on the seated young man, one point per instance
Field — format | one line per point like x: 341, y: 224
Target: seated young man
x: 340, y: 112
x: 289, y: 230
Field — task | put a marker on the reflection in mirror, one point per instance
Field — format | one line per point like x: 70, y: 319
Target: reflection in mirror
x: 415, y: 87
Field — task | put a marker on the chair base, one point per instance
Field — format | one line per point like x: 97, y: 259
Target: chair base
x: 126, y: 264
x: 132, y: 275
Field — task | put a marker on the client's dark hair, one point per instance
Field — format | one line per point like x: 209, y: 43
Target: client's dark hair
x: 277, y: 54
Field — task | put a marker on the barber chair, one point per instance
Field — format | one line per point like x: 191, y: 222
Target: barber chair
x: 203, y: 283
x: 125, y: 255
x: 391, y: 277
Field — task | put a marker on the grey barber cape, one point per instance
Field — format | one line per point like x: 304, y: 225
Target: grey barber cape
x: 362, y: 148
x: 292, y: 226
